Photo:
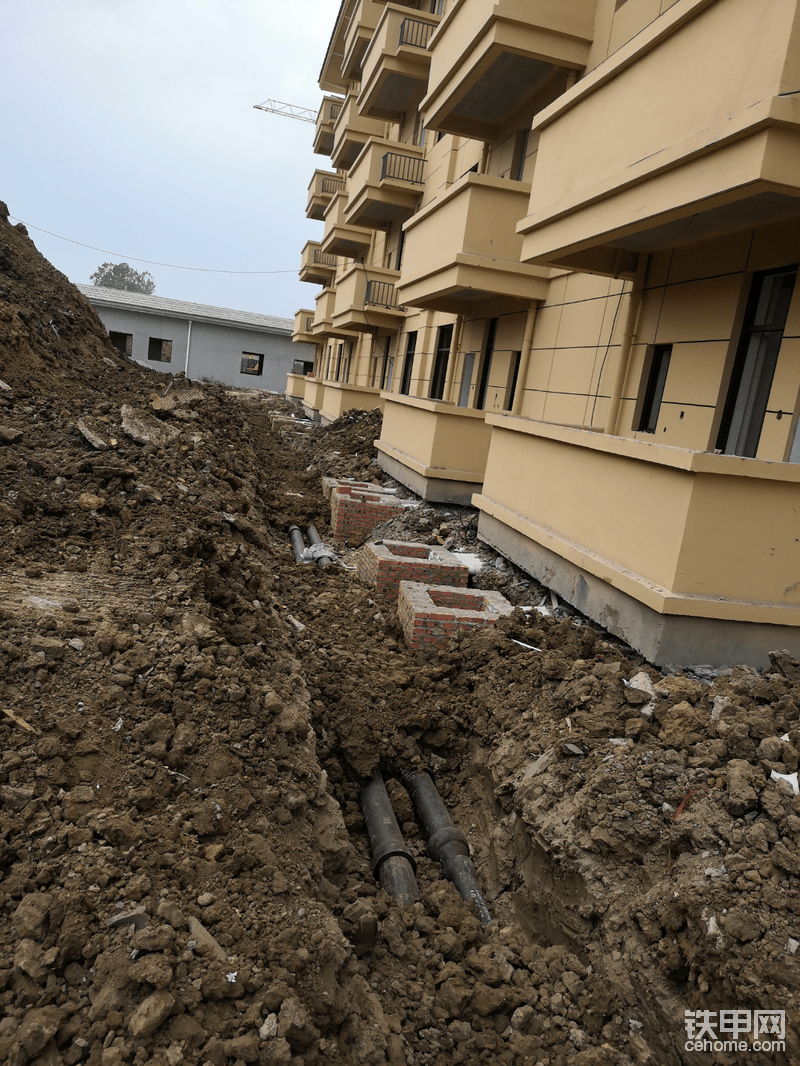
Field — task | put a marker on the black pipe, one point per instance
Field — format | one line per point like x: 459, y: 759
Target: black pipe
x: 392, y: 862
x: 298, y: 545
x: 315, y: 538
x: 445, y: 843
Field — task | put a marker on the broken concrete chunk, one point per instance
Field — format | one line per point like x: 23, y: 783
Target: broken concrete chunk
x: 94, y: 438
x: 145, y: 428
x: 205, y: 942
x: 137, y: 917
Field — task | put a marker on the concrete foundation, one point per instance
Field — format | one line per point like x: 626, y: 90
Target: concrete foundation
x: 661, y: 638
x: 386, y: 564
x: 436, y: 489
x: 431, y: 614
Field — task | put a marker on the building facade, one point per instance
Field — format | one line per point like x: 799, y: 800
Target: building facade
x: 560, y: 250
x: 238, y: 348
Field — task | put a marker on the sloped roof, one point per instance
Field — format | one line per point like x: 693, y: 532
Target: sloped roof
x: 135, y: 301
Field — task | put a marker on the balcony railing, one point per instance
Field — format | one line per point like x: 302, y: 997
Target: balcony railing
x: 333, y: 112
x: 324, y: 258
x: 309, y: 323
x: 402, y: 167
x: 381, y: 294
x: 416, y: 33
x: 331, y: 185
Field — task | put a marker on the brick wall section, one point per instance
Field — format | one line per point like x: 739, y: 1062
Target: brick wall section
x: 386, y: 564
x: 331, y: 483
x: 431, y: 614
x: 355, y: 512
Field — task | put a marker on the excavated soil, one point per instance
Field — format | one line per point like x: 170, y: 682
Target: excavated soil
x: 187, y: 717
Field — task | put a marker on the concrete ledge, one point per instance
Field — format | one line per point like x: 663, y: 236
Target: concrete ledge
x: 660, y: 638
x: 429, y: 487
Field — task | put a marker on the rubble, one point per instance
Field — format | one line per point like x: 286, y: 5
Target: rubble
x: 194, y: 885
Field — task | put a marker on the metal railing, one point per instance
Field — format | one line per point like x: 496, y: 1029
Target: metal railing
x: 402, y: 167
x: 416, y: 33
x: 331, y: 185
x: 324, y: 258
x: 381, y: 294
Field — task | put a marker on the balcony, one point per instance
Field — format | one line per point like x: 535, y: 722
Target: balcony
x: 717, y: 156
x: 489, y: 58
x: 464, y: 247
x: 324, y: 185
x: 316, y: 266
x: 323, y: 325
x: 341, y: 238
x: 351, y: 132
x: 366, y: 300
x: 396, y: 64
x: 357, y: 37
x: 326, y: 120
x: 303, y: 323
x: 385, y: 181
x: 695, y: 587
x: 436, y: 449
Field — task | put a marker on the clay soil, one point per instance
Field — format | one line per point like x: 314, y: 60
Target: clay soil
x: 187, y: 718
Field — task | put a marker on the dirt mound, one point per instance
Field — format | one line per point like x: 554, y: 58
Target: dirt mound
x: 187, y: 718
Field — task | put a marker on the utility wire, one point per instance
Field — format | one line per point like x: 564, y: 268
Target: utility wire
x: 150, y: 262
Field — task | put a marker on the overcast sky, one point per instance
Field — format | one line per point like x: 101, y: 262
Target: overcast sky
x: 129, y: 125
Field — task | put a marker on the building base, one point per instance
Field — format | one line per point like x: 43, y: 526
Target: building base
x: 661, y: 638
x: 435, y: 489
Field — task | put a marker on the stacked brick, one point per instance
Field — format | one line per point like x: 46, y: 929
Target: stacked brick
x: 386, y: 564
x: 356, y: 511
x: 331, y: 483
x: 431, y: 614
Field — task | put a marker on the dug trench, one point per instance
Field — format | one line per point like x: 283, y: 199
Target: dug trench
x: 188, y: 718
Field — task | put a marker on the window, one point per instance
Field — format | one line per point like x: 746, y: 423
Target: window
x: 439, y: 375
x: 159, y: 351
x: 654, y: 389
x: 408, y: 363
x: 401, y: 243
x: 302, y: 366
x: 123, y: 342
x: 755, y: 362
x: 487, y: 363
x: 466, y: 379
x: 520, y: 151
x: 252, y: 363
x: 513, y: 375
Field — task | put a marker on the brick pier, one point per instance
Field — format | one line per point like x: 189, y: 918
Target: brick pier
x: 431, y: 614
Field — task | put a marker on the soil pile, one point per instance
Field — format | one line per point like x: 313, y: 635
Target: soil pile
x: 187, y: 718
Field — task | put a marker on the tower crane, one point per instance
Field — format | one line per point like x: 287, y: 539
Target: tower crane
x: 279, y: 107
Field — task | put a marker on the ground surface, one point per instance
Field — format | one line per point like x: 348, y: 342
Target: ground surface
x: 187, y: 718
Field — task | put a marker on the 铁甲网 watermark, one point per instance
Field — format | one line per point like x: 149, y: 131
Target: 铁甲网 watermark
x: 735, y: 1030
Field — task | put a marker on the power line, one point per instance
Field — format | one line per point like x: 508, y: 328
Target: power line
x: 150, y: 262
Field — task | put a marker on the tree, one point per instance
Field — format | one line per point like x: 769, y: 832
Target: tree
x: 122, y: 276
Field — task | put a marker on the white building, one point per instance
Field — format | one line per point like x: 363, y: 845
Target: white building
x: 239, y: 348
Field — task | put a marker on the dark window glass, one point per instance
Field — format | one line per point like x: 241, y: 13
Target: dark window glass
x: 123, y: 342
x: 756, y: 359
x: 654, y: 389
x: 439, y: 375
x: 487, y: 363
x: 408, y: 363
x: 159, y: 350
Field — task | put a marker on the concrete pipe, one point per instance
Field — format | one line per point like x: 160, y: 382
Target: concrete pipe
x: 445, y: 843
x: 392, y: 862
x: 325, y: 557
x: 298, y: 545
